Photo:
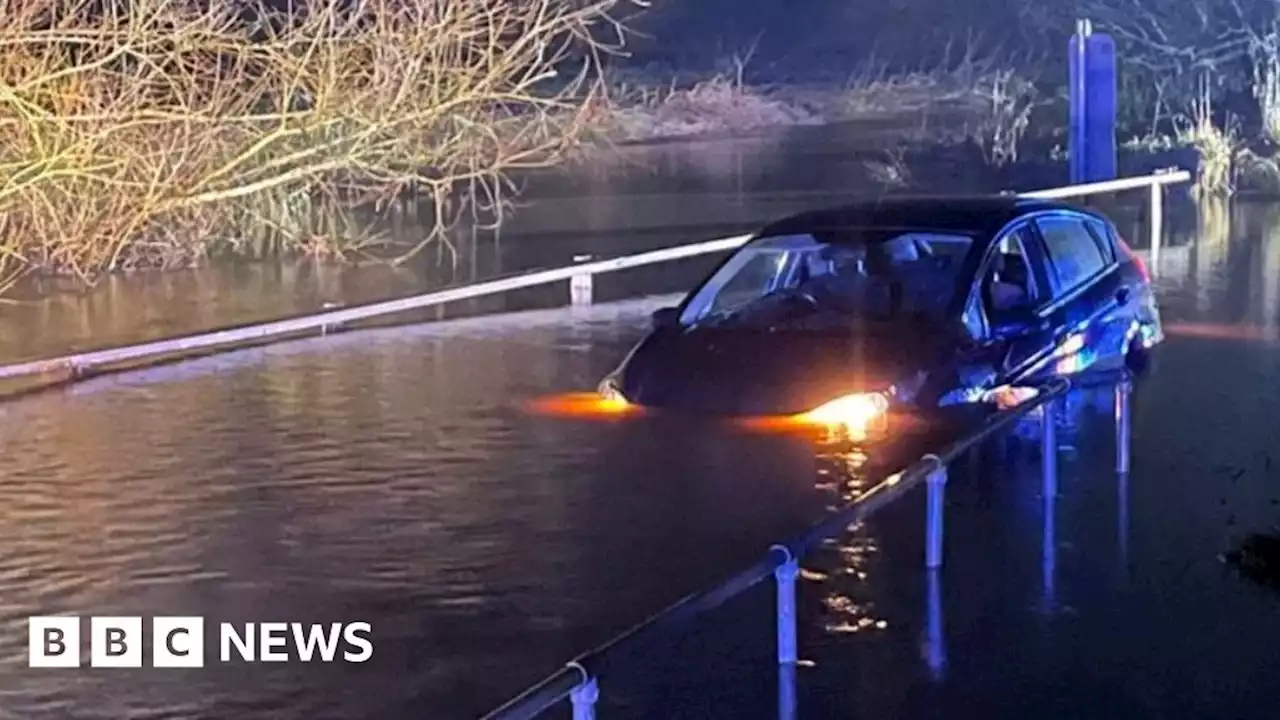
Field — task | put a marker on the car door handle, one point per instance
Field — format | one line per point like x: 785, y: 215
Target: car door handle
x: 1123, y: 295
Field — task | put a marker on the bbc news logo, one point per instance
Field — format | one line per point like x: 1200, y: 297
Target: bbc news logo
x: 179, y: 642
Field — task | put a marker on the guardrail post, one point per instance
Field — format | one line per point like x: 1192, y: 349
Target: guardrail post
x: 785, y: 577
x: 1049, y: 448
x: 934, y: 516
x: 75, y: 371
x: 1049, y: 554
x: 580, y: 286
x: 1157, y: 225
x: 1049, y: 469
x: 1123, y: 393
x: 1122, y: 519
x: 787, y: 691
x: 935, y: 642
x: 584, y: 699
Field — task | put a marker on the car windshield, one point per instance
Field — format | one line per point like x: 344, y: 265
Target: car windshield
x: 875, y: 273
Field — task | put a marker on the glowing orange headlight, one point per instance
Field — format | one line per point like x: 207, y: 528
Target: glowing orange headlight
x: 611, y: 393
x: 854, y: 412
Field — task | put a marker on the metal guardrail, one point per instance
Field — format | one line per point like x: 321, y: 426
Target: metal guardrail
x: 579, y: 276
x: 1155, y: 183
x: 578, y: 679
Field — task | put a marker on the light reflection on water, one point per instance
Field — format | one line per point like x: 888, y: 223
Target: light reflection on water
x: 846, y: 560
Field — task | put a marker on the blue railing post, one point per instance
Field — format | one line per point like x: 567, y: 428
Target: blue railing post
x: 787, y: 700
x: 785, y: 577
x: 935, y: 642
x: 584, y: 699
x: 1124, y: 419
x: 1049, y: 449
x: 1123, y: 393
x: 1049, y: 472
x: 934, y: 514
x: 935, y: 531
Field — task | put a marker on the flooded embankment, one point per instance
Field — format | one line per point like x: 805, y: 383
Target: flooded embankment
x: 626, y: 199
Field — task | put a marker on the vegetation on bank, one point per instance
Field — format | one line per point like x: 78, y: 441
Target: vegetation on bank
x: 1204, y: 76
x: 156, y: 137
x: 153, y: 133
x: 979, y: 100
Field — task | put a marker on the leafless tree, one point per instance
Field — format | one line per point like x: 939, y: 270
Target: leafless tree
x: 1172, y: 47
x: 139, y: 135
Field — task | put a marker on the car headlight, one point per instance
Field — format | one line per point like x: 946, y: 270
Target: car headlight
x: 854, y: 412
x: 610, y: 390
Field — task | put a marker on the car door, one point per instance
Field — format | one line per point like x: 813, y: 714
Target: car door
x: 1086, y: 310
x: 997, y: 356
x: 1023, y: 347
x: 1135, y: 304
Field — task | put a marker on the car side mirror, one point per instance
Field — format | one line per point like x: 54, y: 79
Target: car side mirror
x: 667, y: 317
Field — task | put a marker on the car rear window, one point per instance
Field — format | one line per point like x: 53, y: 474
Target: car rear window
x: 1074, y: 253
x: 1105, y: 235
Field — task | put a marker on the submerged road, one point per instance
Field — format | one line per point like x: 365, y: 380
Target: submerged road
x: 396, y: 477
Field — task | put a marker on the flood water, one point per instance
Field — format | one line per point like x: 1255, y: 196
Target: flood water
x: 394, y: 476
x: 636, y: 199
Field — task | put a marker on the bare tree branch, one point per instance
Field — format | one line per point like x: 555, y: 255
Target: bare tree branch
x: 139, y: 137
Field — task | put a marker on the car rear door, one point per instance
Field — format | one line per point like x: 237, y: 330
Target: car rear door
x: 1087, y: 312
x: 1137, y: 308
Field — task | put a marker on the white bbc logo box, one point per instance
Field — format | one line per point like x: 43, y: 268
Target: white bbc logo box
x: 55, y: 642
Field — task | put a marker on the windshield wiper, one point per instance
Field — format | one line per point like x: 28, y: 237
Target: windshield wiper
x: 719, y: 318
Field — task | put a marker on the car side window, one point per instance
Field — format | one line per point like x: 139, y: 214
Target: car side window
x: 1074, y: 253
x: 1008, y: 281
x: 1106, y: 237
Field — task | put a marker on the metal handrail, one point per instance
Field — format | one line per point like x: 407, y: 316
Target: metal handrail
x: 580, y: 289
x: 1160, y: 178
x: 577, y: 679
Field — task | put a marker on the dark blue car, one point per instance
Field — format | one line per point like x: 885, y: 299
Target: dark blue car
x: 852, y: 314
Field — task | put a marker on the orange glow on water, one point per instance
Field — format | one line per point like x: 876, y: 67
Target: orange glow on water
x: 586, y: 405
x: 779, y: 424
x: 592, y: 406
x: 806, y: 424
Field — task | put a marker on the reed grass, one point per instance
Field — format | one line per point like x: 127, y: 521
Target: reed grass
x: 989, y: 103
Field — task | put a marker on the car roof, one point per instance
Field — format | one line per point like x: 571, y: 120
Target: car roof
x: 980, y: 214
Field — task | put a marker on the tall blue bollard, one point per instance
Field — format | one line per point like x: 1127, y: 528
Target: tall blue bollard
x: 1091, y: 141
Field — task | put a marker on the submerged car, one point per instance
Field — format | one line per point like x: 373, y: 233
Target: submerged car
x: 851, y: 314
